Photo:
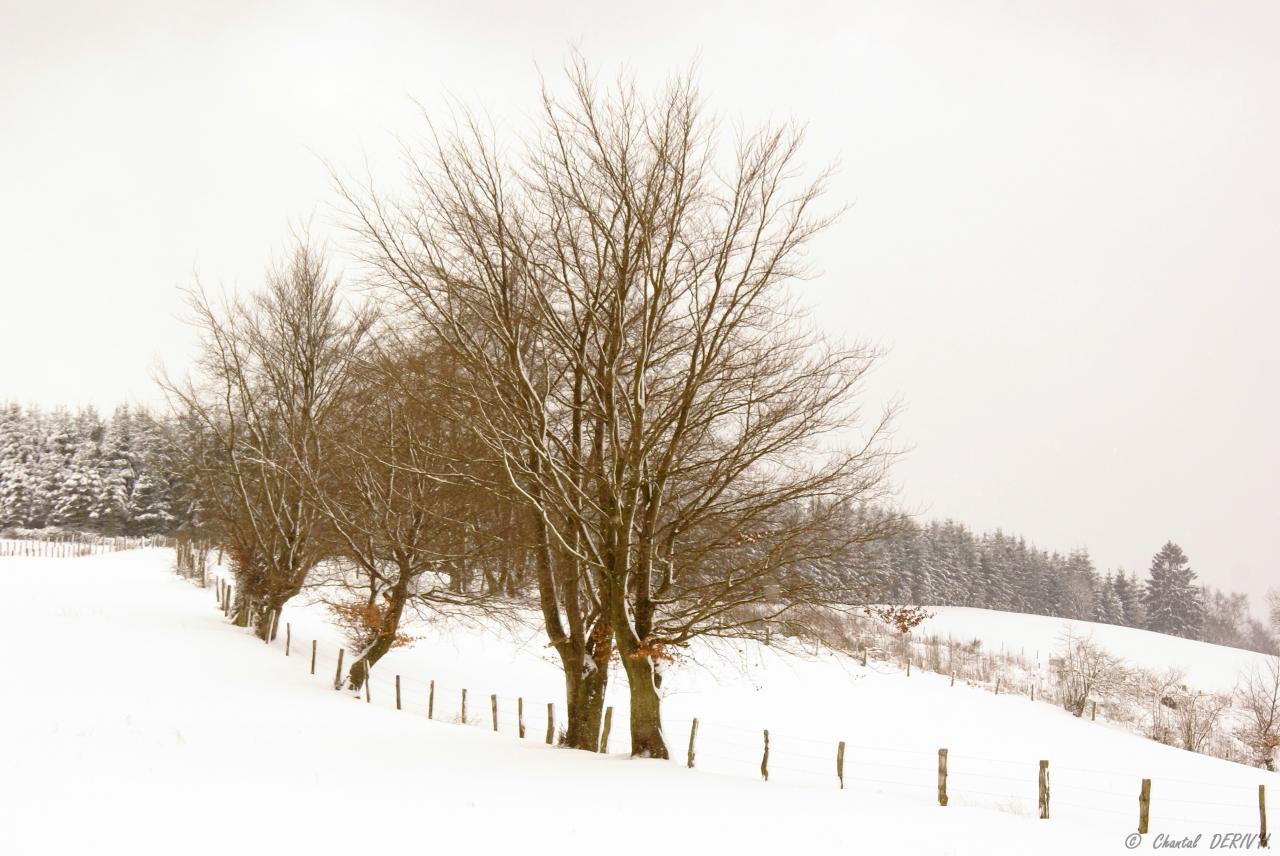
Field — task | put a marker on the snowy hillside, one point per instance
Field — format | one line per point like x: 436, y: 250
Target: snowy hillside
x: 1205, y: 666
x: 159, y: 725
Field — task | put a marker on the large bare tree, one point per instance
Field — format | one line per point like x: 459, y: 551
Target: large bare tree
x: 620, y: 294
x: 272, y: 367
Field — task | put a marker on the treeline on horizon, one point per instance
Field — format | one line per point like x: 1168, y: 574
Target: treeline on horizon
x: 116, y: 476
x: 944, y: 563
x: 76, y: 471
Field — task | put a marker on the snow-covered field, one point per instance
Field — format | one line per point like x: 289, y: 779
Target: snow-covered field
x: 135, y: 717
x: 1206, y: 667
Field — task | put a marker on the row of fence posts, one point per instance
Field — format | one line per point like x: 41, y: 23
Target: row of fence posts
x: 1144, y: 794
x: 65, y: 548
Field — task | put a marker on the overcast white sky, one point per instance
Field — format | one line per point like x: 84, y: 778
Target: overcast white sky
x: 1065, y: 222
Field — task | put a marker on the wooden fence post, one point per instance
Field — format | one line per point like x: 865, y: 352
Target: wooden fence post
x: 398, y: 692
x: 493, y: 702
x: 764, y: 762
x: 337, y: 674
x: 288, y: 637
x: 1262, y: 816
x: 1044, y: 789
x: 608, y: 724
x: 693, y: 735
x: 520, y: 716
x: 313, y: 656
x: 368, y: 679
x: 1093, y: 713
x: 840, y: 763
x: 942, y: 777
x: 551, y: 722
x: 997, y: 686
x: 464, y: 705
x: 431, y: 700
x: 1144, y: 806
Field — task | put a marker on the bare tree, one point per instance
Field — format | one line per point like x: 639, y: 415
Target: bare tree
x: 1086, y: 672
x: 1159, y: 693
x: 396, y: 490
x: 1259, y: 697
x: 620, y: 299
x: 1198, y: 714
x: 270, y: 372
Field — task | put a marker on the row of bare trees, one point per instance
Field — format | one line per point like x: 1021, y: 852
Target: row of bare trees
x: 587, y: 387
x: 1179, y: 715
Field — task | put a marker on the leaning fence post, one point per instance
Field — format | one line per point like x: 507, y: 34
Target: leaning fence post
x: 1144, y: 806
x: 608, y: 724
x: 288, y: 637
x: 520, y: 716
x: 1044, y: 790
x: 313, y: 656
x: 551, y: 721
x: 493, y: 702
x: 464, y: 705
x: 397, y: 692
x: 764, y: 762
x: 337, y: 673
x: 693, y: 735
x: 840, y: 763
x: 431, y: 700
x: 942, y: 777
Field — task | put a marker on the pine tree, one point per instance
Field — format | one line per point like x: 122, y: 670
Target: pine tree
x: 1172, y: 598
x: 118, y: 473
x: 1129, y: 593
x: 1110, y: 608
x: 1081, y: 594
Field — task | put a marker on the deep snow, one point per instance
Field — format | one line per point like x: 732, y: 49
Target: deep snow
x: 1204, y: 666
x: 135, y: 715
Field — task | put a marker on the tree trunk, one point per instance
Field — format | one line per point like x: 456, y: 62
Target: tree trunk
x: 382, y: 642
x: 647, y: 740
x: 360, y: 668
x: 584, y: 694
x: 586, y: 679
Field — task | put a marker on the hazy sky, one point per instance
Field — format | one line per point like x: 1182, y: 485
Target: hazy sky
x: 1065, y: 216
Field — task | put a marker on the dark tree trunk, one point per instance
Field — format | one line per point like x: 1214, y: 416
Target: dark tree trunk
x: 586, y: 679
x: 584, y: 692
x: 382, y: 642
x: 647, y: 740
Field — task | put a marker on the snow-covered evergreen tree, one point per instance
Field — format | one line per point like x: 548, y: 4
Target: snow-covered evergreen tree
x: 77, y: 471
x: 1172, y: 598
x: 1110, y: 610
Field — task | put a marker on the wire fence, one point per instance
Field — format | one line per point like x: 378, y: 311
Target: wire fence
x: 1108, y: 797
x: 76, y: 545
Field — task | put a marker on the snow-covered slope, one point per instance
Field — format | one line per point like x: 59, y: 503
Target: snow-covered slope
x: 1205, y: 666
x: 135, y: 715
